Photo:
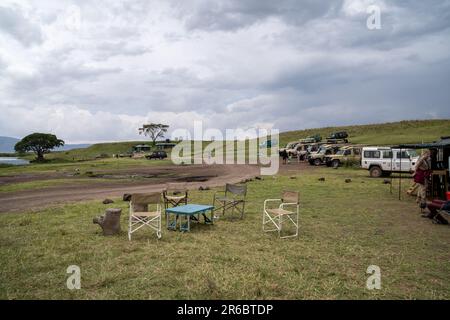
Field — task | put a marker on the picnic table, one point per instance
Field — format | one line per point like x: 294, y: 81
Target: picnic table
x: 190, y: 212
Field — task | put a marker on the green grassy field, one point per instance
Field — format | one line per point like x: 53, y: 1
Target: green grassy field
x: 345, y: 227
x: 381, y: 134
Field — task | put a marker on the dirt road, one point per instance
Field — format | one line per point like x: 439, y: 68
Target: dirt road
x: 153, y: 179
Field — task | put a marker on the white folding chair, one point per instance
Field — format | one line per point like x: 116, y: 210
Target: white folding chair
x: 276, y: 217
x: 141, y: 214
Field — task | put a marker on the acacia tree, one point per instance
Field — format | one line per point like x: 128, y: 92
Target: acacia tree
x: 154, y: 131
x: 39, y: 143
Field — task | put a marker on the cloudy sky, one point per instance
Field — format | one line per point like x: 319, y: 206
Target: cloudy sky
x: 95, y: 70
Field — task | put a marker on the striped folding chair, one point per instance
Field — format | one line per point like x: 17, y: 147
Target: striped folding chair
x: 175, y: 194
x: 145, y: 211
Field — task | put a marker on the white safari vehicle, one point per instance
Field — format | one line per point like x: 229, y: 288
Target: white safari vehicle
x: 382, y: 161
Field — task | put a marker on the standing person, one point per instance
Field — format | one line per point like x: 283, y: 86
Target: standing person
x: 421, y: 174
x: 284, y: 155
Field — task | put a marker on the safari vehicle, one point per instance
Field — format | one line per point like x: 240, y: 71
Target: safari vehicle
x: 311, y: 139
x: 344, y: 155
x: 289, y: 146
x: 318, y: 158
x: 382, y: 161
x: 302, y: 150
x: 157, y: 155
x: 338, y: 137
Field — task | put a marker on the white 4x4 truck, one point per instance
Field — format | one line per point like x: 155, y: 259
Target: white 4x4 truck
x: 382, y: 161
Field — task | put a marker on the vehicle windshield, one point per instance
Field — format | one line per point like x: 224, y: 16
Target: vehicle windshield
x: 290, y: 145
x: 413, y: 153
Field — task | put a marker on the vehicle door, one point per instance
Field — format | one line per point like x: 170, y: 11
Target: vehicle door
x: 388, y: 162
x: 402, y: 161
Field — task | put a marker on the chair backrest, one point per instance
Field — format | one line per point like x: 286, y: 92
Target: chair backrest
x: 236, y: 189
x: 291, y: 197
x: 175, y: 188
x: 146, y: 198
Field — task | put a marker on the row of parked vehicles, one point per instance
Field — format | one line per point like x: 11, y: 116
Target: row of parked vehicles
x: 380, y: 161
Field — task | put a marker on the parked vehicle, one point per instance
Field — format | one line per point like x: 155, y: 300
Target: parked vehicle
x: 318, y: 158
x: 157, y: 155
x: 344, y: 155
x: 382, y: 161
x: 312, y: 139
x: 289, y: 146
x: 338, y: 137
x: 302, y: 150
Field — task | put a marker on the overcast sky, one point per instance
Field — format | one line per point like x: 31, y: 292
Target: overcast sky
x: 96, y: 70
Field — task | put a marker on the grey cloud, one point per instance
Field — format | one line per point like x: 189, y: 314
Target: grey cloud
x: 14, y: 23
x: 236, y: 14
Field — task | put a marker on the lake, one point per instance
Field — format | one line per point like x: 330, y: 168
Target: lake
x: 13, y: 161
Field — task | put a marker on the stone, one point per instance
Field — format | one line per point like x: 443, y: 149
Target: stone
x: 109, y: 222
x: 108, y: 201
x: 348, y: 180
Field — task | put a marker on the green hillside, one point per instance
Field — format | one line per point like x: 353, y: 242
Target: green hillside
x: 380, y: 134
x: 96, y: 150
x: 373, y: 134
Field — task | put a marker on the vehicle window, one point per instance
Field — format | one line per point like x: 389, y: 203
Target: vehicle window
x: 347, y: 152
x: 372, y: 154
x: 387, y: 154
x: 402, y: 155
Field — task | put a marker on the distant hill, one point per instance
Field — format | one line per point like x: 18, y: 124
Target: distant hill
x: 380, y: 134
x: 7, y: 145
x: 95, y: 150
x: 68, y: 147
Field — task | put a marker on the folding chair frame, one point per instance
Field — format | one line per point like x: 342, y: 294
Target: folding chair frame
x: 232, y: 202
x: 142, y: 221
x: 277, y: 220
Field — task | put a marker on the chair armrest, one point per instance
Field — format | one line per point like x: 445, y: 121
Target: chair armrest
x: 270, y: 200
x: 288, y: 204
x: 217, y: 192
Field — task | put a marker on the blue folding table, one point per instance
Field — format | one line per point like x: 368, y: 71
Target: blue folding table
x: 189, y: 211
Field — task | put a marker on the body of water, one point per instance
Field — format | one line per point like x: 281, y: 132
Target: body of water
x: 13, y: 161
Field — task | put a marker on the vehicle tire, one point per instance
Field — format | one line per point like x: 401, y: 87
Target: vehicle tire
x: 335, y: 163
x: 317, y: 162
x: 376, y: 172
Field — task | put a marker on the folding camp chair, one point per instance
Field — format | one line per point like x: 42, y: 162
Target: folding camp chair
x: 175, y: 194
x: 141, y: 215
x: 277, y: 216
x: 234, y: 198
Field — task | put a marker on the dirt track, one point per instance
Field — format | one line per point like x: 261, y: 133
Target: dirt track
x: 198, y: 175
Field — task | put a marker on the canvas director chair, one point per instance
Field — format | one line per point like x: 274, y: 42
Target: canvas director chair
x: 175, y: 194
x: 233, y: 198
x: 275, y: 219
x: 145, y: 211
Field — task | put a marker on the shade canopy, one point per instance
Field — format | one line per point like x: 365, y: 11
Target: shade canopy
x: 443, y: 143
